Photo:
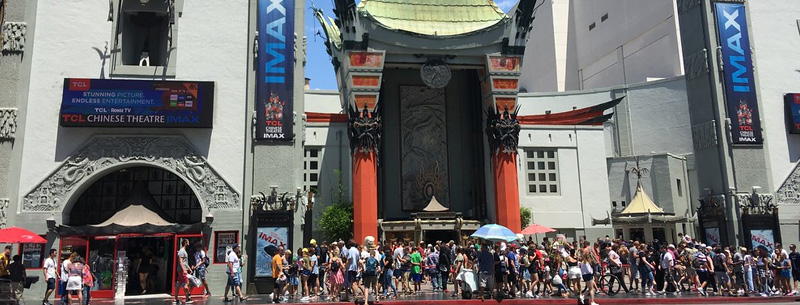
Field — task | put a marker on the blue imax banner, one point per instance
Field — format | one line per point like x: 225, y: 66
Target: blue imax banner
x: 136, y: 103
x: 740, y: 94
x: 275, y: 73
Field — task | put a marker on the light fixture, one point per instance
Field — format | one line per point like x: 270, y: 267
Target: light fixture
x: 51, y: 223
x: 209, y: 218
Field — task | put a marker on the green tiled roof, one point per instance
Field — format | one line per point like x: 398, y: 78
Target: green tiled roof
x: 433, y: 17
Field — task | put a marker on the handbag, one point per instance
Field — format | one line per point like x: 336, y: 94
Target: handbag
x: 194, y: 280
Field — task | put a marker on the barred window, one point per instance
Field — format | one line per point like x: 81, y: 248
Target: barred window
x: 541, y: 169
x: 312, y: 160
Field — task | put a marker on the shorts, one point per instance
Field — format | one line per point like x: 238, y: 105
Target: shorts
x: 370, y: 280
x: 796, y: 275
x: 786, y: 273
x: 352, y: 276
x: 526, y: 275
x: 722, y: 277
x: 484, y: 279
x: 51, y: 284
x: 397, y: 273
x: 574, y: 273
x: 200, y: 273
x: 702, y: 275
x: 181, y: 277
x: 233, y: 281
x: 416, y: 277
x: 293, y: 281
x: 739, y: 278
x: 588, y: 277
x: 305, y: 273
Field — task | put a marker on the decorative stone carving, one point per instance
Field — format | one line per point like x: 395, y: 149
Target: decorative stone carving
x: 14, y: 36
x: 4, y: 212
x: 757, y: 204
x: 8, y: 123
x: 435, y: 73
x: 365, y: 129
x: 704, y: 135
x: 789, y: 192
x: 275, y: 202
x: 686, y: 5
x: 502, y: 128
x: 696, y: 64
x: 173, y: 153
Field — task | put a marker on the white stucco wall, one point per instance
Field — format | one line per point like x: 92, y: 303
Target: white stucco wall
x: 66, y: 33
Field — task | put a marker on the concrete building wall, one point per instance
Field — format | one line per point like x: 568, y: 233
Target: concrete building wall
x: 602, y: 43
x: 774, y: 29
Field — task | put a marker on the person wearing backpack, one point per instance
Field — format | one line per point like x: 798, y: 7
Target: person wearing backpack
x: 201, y: 264
x: 371, y: 269
x: 336, y: 276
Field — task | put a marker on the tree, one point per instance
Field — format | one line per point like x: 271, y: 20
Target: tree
x: 525, y: 216
x: 337, y: 219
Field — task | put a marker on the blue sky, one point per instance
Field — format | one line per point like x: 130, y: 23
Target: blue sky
x: 318, y: 64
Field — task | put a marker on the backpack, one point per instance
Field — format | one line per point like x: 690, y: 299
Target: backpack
x: 371, y: 266
x: 335, y: 266
x: 407, y: 264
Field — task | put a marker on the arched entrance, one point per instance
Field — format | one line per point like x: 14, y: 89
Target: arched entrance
x: 171, y: 195
x: 132, y: 215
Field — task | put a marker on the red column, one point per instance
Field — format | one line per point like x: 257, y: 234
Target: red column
x: 506, y: 194
x: 365, y: 196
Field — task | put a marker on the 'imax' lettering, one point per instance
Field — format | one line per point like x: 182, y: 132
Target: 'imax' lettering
x: 740, y: 97
x: 275, y: 73
x: 275, y: 50
x: 735, y: 44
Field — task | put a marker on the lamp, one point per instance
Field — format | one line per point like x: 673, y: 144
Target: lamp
x: 209, y: 218
x: 51, y: 223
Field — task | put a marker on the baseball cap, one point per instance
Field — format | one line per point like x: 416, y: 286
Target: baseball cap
x: 235, y: 246
x: 305, y: 250
x: 671, y: 246
x: 313, y: 241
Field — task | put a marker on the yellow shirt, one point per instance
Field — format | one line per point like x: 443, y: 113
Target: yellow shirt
x: 4, y: 265
x: 277, y: 266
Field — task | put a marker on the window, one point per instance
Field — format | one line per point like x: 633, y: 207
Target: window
x: 311, y: 167
x: 591, y: 26
x: 680, y: 188
x: 614, y: 204
x: 542, y: 171
x: 604, y: 17
x: 622, y: 203
x: 145, y: 38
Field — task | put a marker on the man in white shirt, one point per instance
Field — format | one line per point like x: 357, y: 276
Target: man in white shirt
x: 234, y: 278
x: 353, y: 262
x: 668, y: 267
x: 49, y: 269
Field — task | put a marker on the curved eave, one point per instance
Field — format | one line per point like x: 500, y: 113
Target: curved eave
x: 499, y: 23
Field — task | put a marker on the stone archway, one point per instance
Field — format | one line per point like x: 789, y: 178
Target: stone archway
x: 103, y: 154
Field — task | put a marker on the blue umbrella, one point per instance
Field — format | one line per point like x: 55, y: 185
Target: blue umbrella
x: 495, y: 232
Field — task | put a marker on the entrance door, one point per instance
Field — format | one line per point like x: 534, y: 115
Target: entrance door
x: 69, y: 245
x: 150, y: 258
x: 193, y: 240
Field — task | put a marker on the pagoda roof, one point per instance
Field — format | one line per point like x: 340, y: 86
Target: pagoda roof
x: 641, y: 204
x: 437, y: 18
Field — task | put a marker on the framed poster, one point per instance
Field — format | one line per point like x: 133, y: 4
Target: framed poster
x: 712, y: 236
x: 267, y: 238
x: 32, y: 255
x: 763, y: 237
x: 223, y: 241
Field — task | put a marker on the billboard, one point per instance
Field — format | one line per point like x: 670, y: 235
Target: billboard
x: 712, y: 236
x: 792, y: 101
x: 136, y: 103
x: 740, y: 91
x: 764, y: 238
x: 275, y: 72
x: 268, y: 236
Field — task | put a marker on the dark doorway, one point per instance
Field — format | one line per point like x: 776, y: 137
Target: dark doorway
x: 431, y: 237
x: 150, y: 261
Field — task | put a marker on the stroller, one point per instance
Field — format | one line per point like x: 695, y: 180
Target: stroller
x: 469, y: 283
x: 7, y: 293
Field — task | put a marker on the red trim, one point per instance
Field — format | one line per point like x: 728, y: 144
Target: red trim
x: 592, y: 115
x: 216, y: 247
x: 319, y: 117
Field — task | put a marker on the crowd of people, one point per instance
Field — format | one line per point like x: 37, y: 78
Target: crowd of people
x: 351, y: 272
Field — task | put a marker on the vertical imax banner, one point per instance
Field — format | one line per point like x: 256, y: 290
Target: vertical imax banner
x: 275, y: 73
x: 740, y: 91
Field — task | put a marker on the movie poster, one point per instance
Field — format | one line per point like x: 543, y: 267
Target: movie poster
x: 763, y: 238
x: 275, y: 73
x: 223, y: 242
x: 266, y: 237
x: 712, y: 236
x: 740, y: 90
x: 32, y: 255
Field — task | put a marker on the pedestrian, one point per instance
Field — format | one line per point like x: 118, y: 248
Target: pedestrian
x: 305, y: 272
x: 615, y: 265
x: 388, y: 273
x: 371, y: 267
x: 291, y: 270
x: 431, y: 267
x: 587, y: 273
x: 201, y: 264
x: 459, y: 270
x: 737, y: 263
x: 5, y: 260
x: 416, y: 268
x: 49, y: 269
x: 667, y: 265
x: 324, y: 263
x: 65, y: 266
x: 486, y: 270
x: 443, y: 266
x: 74, y: 286
x: 784, y: 267
x: 182, y: 273
x: 145, y: 268
x: 313, y: 284
x: 645, y: 270
x: 353, y: 266
x: 17, y: 275
x: 335, y: 276
x: 720, y: 267
x: 749, y: 270
x: 234, y: 277
x: 794, y: 258
x: 277, y: 275
x: 88, y: 283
